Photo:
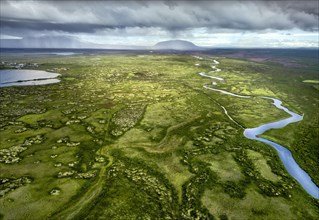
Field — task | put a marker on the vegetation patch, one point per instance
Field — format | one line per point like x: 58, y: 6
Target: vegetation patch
x: 311, y: 81
x: 125, y: 119
x: 10, y: 184
x: 261, y: 165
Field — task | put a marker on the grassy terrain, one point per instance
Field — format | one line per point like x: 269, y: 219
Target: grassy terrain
x: 311, y: 81
x: 132, y: 136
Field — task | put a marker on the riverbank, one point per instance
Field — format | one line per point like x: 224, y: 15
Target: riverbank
x: 285, y: 155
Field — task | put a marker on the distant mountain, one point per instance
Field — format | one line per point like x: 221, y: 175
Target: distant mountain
x: 176, y: 45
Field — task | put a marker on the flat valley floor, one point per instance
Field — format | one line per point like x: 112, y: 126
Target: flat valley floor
x: 136, y: 136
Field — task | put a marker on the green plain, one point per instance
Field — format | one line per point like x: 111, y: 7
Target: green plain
x: 125, y: 136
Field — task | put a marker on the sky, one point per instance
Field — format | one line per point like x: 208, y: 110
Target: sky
x: 242, y: 24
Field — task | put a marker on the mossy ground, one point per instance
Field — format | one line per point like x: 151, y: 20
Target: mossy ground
x: 127, y: 136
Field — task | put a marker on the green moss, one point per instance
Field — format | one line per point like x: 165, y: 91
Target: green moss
x: 261, y: 165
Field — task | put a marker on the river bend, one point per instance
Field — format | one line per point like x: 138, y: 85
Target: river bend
x: 253, y: 133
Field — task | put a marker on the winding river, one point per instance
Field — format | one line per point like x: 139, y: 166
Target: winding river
x: 253, y: 133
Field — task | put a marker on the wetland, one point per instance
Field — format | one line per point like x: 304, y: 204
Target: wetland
x: 135, y: 135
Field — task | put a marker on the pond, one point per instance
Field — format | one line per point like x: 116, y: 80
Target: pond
x: 26, y: 77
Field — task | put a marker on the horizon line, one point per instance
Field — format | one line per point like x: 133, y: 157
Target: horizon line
x: 151, y: 49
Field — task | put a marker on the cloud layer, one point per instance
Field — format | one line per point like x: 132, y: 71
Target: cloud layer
x: 168, y: 18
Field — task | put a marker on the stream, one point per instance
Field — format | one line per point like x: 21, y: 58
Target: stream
x: 253, y: 133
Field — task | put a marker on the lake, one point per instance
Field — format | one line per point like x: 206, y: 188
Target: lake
x: 26, y: 77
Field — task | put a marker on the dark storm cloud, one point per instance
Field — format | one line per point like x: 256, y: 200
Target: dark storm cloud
x: 25, y: 24
x: 90, y: 16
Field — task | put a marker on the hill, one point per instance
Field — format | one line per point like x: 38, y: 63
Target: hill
x: 176, y: 45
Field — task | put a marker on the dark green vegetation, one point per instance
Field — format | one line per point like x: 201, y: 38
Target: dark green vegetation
x: 137, y: 137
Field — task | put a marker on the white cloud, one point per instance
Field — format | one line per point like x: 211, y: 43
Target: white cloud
x: 4, y: 36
